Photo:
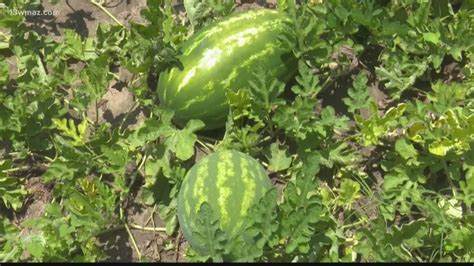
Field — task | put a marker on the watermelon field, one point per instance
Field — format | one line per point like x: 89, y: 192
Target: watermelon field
x: 237, y: 131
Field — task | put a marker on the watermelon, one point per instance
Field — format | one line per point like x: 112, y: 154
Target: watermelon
x: 230, y: 182
x: 221, y: 56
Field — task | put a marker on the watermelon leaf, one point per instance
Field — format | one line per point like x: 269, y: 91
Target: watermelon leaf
x: 191, y: 7
x: 359, y: 96
x: 9, y: 241
x: 262, y: 224
x: 278, y: 159
x: 12, y: 190
x: 209, y: 235
x: 302, y: 209
x: 299, y: 226
x: 308, y: 83
x: 286, y: 5
x: 199, y: 12
x: 181, y: 142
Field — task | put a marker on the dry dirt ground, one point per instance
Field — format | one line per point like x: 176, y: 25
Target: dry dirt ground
x: 83, y: 17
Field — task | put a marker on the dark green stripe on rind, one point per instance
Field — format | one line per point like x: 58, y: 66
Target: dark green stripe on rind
x: 239, y: 194
x: 192, y: 185
x: 219, y: 62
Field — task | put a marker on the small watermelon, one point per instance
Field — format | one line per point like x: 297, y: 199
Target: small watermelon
x: 230, y: 182
x: 221, y: 56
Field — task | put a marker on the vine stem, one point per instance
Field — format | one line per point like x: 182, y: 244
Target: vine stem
x: 154, y: 225
x: 147, y: 228
x: 132, y: 238
x: 265, y: 139
x: 207, y: 146
x: 16, y: 169
x: 133, y: 226
x: 43, y: 156
x: 99, y: 5
x: 151, y: 217
x: 142, y: 162
x: 5, y: 36
x: 353, y: 224
x: 16, y: 154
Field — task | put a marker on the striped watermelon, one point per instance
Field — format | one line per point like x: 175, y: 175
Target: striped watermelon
x: 231, y: 182
x: 223, y: 56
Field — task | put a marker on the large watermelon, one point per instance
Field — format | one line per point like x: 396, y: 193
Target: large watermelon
x: 231, y: 182
x: 221, y: 56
